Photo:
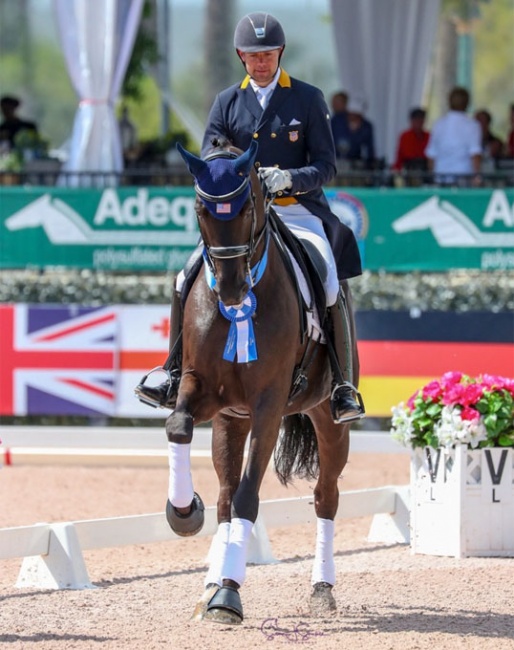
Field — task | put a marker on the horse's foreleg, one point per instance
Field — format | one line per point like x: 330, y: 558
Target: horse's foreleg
x: 226, y: 606
x: 184, y: 508
x: 228, y: 440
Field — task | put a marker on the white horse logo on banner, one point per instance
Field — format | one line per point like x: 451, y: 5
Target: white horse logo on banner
x: 63, y: 225
x: 450, y: 226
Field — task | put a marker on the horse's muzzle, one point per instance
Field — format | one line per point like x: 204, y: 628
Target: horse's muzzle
x: 232, y: 296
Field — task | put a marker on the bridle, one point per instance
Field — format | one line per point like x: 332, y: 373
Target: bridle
x: 231, y: 252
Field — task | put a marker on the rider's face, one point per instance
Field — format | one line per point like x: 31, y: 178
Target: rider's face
x: 261, y: 66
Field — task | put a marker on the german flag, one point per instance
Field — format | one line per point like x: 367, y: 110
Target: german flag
x: 401, y: 351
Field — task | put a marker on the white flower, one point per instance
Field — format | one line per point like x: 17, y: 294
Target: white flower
x: 476, y: 432
x: 452, y: 429
x: 401, y: 425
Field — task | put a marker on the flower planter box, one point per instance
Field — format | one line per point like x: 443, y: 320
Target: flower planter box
x: 462, y: 501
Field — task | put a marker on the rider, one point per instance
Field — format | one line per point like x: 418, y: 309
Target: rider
x: 296, y: 156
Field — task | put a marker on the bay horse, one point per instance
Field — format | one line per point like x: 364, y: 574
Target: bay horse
x: 241, y: 345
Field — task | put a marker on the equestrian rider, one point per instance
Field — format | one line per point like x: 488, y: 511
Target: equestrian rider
x: 296, y: 157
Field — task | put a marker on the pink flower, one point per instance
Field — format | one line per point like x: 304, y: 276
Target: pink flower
x: 410, y: 401
x: 472, y: 394
x: 493, y: 382
x: 451, y: 378
x: 434, y: 390
x: 469, y: 413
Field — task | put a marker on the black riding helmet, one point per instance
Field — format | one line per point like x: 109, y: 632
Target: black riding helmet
x: 259, y: 32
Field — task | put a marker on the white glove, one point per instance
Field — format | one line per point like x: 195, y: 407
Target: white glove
x: 276, y: 179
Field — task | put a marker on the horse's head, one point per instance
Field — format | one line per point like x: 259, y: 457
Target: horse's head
x: 230, y: 211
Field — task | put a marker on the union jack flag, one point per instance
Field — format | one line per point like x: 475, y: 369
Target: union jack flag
x: 57, y: 360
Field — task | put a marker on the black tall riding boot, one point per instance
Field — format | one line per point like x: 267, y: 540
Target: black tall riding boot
x: 165, y: 394
x: 346, y: 402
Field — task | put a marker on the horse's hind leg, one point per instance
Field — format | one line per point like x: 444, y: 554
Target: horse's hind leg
x: 228, y: 440
x: 333, y: 447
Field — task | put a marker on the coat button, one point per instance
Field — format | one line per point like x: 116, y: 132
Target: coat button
x: 273, y: 135
x: 257, y: 164
x: 255, y: 135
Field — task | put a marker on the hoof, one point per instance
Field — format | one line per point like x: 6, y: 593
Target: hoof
x: 186, y: 525
x: 201, y: 605
x: 322, y: 600
x: 225, y: 607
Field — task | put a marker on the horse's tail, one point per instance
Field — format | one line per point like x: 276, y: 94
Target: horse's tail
x: 296, y: 453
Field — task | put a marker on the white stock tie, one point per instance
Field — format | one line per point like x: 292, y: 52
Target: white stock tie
x: 262, y: 97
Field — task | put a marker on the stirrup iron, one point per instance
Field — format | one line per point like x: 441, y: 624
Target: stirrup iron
x: 147, y: 399
x: 358, y: 400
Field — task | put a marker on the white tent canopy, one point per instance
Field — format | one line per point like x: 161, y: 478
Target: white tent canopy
x: 383, y: 49
x: 97, y: 38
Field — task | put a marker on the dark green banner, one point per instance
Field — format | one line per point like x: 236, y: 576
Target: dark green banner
x: 430, y: 229
x: 117, y: 229
x: 155, y: 228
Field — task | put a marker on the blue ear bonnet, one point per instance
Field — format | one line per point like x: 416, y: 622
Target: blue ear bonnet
x: 222, y: 180
x: 219, y: 179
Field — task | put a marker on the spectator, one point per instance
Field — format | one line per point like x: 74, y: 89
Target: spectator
x: 128, y: 136
x: 492, y: 146
x: 356, y: 142
x: 412, y: 143
x: 339, y: 123
x: 12, y: 124
x: 510, y: 141
x: 454, y: 147
x: 340, y: 103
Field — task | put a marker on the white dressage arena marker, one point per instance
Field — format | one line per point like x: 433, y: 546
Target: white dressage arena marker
x: 53, y: 552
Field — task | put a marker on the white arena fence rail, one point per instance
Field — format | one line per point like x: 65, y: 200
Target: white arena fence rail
x: 52, y: 553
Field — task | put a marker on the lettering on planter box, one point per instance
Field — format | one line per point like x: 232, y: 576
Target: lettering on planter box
x: 496, y: 473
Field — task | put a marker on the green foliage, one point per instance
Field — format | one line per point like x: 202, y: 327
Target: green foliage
x: 144, y: 54
x: 464, y: 9
x: 493, y: 70
x: 497, y: 409
x: 425, y: 414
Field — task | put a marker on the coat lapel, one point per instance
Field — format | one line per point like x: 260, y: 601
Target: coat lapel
x: 279, y: 96
x: 249, y: 98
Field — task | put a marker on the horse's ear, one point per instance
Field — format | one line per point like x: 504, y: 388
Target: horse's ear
x: 194, y: 164
x: 244, y: 164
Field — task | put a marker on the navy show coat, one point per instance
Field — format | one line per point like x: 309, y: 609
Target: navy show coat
x: 293, y: 133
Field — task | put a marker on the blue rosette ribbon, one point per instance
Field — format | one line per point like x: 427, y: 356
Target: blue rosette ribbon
x: 241, y: 337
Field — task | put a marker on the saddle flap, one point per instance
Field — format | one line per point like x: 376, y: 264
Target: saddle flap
x: 309, y: 260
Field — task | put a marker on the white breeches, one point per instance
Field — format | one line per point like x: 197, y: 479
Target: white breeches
x: 306, y: 225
